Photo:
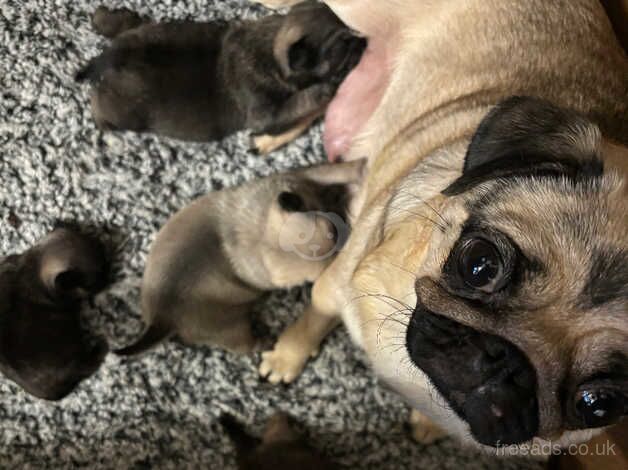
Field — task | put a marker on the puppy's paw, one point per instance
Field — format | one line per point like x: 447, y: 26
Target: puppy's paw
x: 274, y: 4
x: 264, y: 144
x: 423, y: 430
x: 284, y: 363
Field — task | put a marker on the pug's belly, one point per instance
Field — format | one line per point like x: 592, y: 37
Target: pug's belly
x: 356, y: 100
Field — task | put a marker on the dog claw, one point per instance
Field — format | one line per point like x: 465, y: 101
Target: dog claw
x: 278, y: 367
x: 423, y: 430
x: 264, y: 144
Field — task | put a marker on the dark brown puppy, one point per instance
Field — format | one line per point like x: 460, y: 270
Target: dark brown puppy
x: 203, y: 81
x: 279, y: 448
x: 43, y: 347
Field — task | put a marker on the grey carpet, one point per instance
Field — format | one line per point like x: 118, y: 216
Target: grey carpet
x: 160, y: 411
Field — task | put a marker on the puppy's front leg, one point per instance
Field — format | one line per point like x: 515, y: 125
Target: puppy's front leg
x: 423, y: 429
x: 266, y: 143
x: 274, y: 4
x: 296, y: 345
x: 308, y: 103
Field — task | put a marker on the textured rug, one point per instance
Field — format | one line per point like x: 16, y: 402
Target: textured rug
x: 160, y: 411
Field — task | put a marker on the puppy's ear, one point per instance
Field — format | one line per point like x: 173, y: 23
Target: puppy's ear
x: 279, y: 429
x: 72, y: 264
x: 337, y: 173
x: 292, y: 50
x: 244, y: 443
x: 302, y: 57
x: 291, y: 202
x: 527, y: 136
x: 288, y: 36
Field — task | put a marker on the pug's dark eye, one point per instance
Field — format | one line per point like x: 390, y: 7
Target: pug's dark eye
x: 291, y: 202
x: 480, y: 265
x: 599, y: 408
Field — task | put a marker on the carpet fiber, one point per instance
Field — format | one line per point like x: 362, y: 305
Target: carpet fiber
x: 160, y: 411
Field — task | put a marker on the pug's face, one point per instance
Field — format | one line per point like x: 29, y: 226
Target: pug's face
x: 43, y: 347
x: 514, y: 300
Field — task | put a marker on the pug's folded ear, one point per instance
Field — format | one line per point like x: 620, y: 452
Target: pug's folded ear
x: 524, y: 136
x: 72, y: 264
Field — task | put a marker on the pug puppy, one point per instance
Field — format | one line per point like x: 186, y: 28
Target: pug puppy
x: 279, y: 448
x: 43, y: 347
x: 218, y: 255
x: 486, y: 275
x: 204, y: 81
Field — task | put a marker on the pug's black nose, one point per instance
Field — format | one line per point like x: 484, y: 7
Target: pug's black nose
x: 497, y: 355
x: 501, y: 413
x: 503, y: 410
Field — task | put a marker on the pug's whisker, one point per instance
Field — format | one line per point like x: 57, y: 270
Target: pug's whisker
x: 385, y: 296
x: 383, y: 318
x: 396, y: 338
x: 416, y: 377
x: 438, y: 399
x: 405, y: 312
x: 382, y: 322
x: 389, y: 317
x: 432, y: 208
x: 397, y: 347
x: 421, y: 216
x: 401, y: 268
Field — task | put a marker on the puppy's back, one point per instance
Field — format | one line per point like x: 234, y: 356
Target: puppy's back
x: 163, y: 77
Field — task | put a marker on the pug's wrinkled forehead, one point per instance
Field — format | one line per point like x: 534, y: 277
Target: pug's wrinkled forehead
x: 536, y: 182
x: 530, y: 269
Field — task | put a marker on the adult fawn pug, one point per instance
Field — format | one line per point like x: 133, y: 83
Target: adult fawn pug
x: 486, y: 275
x: 214, y: 258
x: 203, y: 81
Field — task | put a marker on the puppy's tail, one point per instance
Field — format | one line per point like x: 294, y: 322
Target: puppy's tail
x: 243, y: 442
x: 153, y: 335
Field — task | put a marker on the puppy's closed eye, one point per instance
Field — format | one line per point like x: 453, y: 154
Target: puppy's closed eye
x: 69, y: 281
x: 291, y: 202
x: 302, y: 56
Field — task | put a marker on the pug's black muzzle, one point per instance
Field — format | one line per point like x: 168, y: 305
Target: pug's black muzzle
x: 486, y: 379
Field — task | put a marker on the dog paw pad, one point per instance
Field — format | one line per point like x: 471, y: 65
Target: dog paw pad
x: 277, y: 367
x: 423, y: 430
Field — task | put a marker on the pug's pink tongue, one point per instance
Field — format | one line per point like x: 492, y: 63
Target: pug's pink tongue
x: 356, y: 100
